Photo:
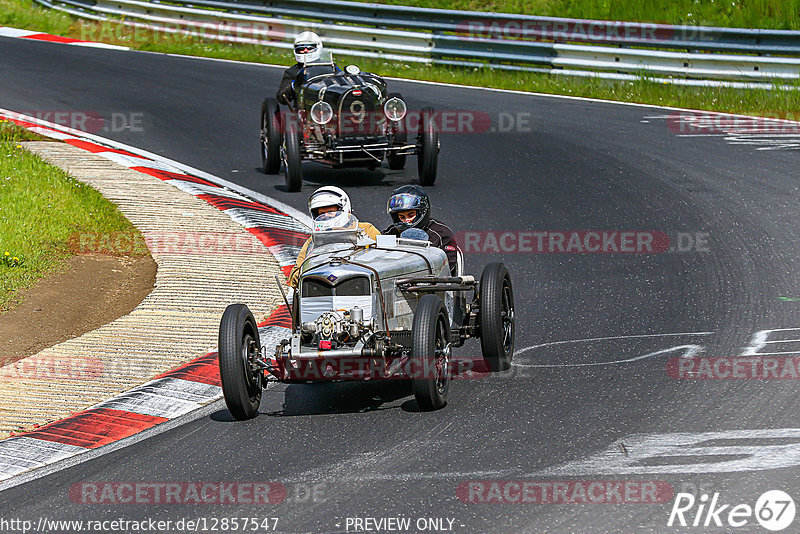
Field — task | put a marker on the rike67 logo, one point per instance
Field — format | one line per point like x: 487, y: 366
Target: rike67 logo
x: 774, y: 510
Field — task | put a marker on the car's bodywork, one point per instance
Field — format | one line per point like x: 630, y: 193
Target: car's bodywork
x: 338, y: 277
x: 345, y: 119
x: 359, y: 133
x: 376, y: 310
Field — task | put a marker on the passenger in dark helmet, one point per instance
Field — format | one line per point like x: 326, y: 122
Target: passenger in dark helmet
x: 410, y: 207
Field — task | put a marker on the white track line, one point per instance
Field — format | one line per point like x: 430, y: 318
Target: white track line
x: 589, y: 339
x: 691, y: 351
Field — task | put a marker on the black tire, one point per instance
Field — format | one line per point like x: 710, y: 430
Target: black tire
x: 397, y: 163
x: 270, y: 137
x: 238, y: 343
x: 428, y: 141
x: 496, y: 317
x: 292, y: 163
x: 430, y: 354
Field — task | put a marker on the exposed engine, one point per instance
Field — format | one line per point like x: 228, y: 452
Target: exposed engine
x: 334, y: 328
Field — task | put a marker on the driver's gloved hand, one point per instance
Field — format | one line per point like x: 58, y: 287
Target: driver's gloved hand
x: 283, y: 97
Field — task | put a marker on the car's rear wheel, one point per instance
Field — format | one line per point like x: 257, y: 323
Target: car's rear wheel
x: 239, y: 346
x: 398, y: 162
x: 292, y: 158
x: 430, y: 354
x: 428, y: 143
x: 496, y: 317
x: 270, y: 136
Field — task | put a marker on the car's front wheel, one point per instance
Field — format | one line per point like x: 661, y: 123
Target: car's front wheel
x: 430, y: 354
x: 428, y: 147
x: 496, y: 317
x: 239, y: 347
x: 292, y: 158
x: 270, y: 137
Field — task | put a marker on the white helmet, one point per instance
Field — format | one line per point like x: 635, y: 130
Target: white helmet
x: 307, y: 47
x: 328, y: 195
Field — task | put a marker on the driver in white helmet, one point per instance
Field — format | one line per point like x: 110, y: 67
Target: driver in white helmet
x: 307, y: 50
x: 323, y: 200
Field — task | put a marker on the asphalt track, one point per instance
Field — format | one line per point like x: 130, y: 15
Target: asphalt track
x: 582, y: 166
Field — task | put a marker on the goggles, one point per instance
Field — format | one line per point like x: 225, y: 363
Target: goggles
x: 403, y: 202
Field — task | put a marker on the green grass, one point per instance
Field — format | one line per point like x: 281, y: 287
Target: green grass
x: 776, y: 14
x: 776, y: 103
x: 41, y: 208
x: 28, y: 15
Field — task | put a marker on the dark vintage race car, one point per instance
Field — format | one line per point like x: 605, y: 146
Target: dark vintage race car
x: 345, y: 119
x: 371, y: 311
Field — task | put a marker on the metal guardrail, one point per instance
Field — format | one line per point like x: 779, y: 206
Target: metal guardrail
x: 498, y: 40
x: 753, y: 41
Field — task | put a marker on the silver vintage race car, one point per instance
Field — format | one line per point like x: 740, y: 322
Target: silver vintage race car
x: 345, y: 119
x: 367, y: 310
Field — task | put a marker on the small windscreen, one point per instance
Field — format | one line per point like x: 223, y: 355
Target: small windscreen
x: 353, y: 287
x: 316, y: 288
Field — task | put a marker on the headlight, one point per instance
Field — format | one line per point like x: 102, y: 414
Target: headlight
x: 321, y: 112
x: 395, y: 109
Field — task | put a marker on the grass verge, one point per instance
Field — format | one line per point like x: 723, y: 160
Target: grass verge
x: 775, y: 14
x: 41, y: 208
x: 769, y: 102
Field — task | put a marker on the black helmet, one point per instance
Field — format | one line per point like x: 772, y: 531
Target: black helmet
x: 409, y: 197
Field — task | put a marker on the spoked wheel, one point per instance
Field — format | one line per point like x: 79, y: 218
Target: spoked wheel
x: 292, y: 160
x: 496, y: 316
x: 270, y: 137
x: 428, y: 143
x: 430, y: 354
x: 239, y: 347
x: 398, y: 162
